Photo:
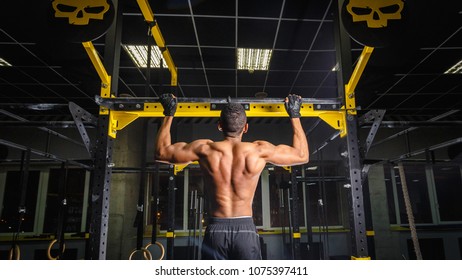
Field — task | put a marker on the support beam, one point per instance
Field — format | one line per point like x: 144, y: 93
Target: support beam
x: 439, y: 117
x: 354, y: 79
x: 52, y: 132
x: 295, y: 213
x: 99, y: 66
x: 171, y: 214
x: 377, y: 116
x: 431, y: 148
x: 123, y: 111
x: 414, y: 124
x: 79, y: 115
x: 359, y: 246
x: 44, y: 154
x: 102, y: 173
x: 159, y: 39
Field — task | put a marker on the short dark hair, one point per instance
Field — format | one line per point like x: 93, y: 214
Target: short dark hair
x: 233, y: 119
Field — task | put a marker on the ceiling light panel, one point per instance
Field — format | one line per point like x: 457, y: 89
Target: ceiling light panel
x: 253, y: 59
x: 139, y: 55
x: 456, y: 69
x: 4, y: 62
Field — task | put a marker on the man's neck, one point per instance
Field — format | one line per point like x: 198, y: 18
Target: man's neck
x: 231, y: 139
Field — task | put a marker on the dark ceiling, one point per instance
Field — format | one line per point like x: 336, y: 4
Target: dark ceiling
x: 405, y: 77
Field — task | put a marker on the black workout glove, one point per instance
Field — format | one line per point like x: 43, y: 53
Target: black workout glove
x: 169, y: 103
x: 292, y: 104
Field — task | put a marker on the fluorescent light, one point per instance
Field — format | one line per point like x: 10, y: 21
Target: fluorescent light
x: 253, y: 59
x: 139, y: 55
x: 4, y: 62
x: 456, y: 69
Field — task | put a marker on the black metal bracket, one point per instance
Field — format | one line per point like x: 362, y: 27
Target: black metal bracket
x: 377, y: 116
x: 79, y: 115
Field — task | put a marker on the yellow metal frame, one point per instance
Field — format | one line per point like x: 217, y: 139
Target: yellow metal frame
x: 180, y: 167
x: 120, y: 119
x: 350, y: 87
x: 336, y: 119
x: 159, y: 39
x: 105, y: 78
x: 360, y: 259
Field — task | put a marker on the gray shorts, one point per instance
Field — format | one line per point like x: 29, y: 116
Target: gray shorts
x: 231, y: 239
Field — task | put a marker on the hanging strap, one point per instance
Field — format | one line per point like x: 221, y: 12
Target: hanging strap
x: 23, y: 182
x: 62, y: 213
x: 155, y: 203
x: 139, y: 223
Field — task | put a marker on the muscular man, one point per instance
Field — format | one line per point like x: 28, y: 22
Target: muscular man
x: 231, y: 169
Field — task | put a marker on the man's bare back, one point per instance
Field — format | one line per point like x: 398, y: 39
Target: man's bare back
x: 231, y: 170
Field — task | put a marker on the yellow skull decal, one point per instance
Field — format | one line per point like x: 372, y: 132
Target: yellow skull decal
x: 79, y: 12
x: 375, y: 12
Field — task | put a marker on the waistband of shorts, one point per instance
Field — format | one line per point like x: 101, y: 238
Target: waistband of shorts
x: 231, y: 221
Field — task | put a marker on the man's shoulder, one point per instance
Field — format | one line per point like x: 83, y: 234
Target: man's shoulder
x: 260, y: 143
x: 202, y: 141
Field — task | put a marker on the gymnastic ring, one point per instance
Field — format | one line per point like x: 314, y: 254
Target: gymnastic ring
x: 17, y: 250
x: 162, y: 249
x: 49, y: 249
x: 147, y: 255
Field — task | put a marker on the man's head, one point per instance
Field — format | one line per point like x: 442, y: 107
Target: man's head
x: 233, y: 120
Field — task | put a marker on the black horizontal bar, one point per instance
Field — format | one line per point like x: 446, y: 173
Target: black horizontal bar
x: 110, y: 102
x: 43, y: 154
x: 324, y: 179
x: 54, y: 124
x: 393, y: 124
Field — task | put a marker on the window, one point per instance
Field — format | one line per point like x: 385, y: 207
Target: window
x: 11, y: 199
x: 433, y: 189
x: 448, y: 186
x: 163, y: 208
x: 279, y: 185
x: 390, y: 185
x: 324, y: 204
x: 324, y: 193
x: 75, y: 188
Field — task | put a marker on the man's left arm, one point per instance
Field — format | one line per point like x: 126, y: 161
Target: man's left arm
x: 180, y: 152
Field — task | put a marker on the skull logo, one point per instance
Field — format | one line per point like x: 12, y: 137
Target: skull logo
x: 79, y: 12
x: 375, y: 12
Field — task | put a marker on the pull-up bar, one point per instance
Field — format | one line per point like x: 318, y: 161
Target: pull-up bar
x: 123, y: 111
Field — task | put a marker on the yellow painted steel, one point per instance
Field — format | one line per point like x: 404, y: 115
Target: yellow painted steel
x: 146, y: 10
x: 170, y: 234
x: 297, y: 235
x: 97, y: 63
x: 159, y: 39
x: 102, y: 73
x: 120, y: 119
x: 180, y: 167
x: 288, y: 168
x: 360, y: 258
x: 354, y: 79
x: 370, y: 233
